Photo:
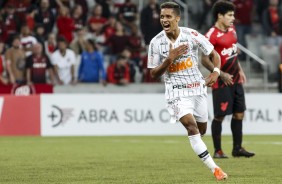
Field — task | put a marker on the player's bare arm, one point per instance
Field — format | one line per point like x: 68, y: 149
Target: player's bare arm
x: 225, y: 77
x: 243, y: 77
x: 212, y: 63
x: 173, y: 55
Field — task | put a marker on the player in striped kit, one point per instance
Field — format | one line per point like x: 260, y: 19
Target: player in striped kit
x: 174, y: 54
x: 228, y: 92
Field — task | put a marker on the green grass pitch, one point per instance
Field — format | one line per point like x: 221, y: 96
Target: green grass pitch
x: 132, y: 160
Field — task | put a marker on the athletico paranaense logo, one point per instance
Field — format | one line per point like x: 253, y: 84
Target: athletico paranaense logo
x: 60, y: 116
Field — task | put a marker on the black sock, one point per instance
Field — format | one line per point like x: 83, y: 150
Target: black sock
x: 236, y: 127
x: 216, y: 134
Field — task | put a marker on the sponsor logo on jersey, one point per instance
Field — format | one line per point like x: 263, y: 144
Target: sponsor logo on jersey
x: 185, y: 86
x: 39, y: 65
x: 229, y: 51
x: 219, y: 34
x: 179, y: 66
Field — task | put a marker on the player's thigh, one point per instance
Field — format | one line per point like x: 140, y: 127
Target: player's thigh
x: 180, y: 107
x: 223, y: 101
x: 201, y: 108
x: 239, y: 99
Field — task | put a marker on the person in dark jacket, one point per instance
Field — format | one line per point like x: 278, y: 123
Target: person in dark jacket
x: 150, y: 21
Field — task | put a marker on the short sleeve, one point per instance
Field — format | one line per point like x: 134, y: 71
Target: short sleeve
x: 203, y: 43
x: 153, y: 55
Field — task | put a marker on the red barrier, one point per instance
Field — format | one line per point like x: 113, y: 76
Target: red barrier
x: 18, y: 89
x: 20, y: 115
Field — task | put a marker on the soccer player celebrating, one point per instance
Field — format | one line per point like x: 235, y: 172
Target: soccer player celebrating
x: 174, y: 53
x: 228, y: 92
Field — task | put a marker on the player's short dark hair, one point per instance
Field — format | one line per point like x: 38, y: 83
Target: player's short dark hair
x: 172, y: 5
x: 222, y: 7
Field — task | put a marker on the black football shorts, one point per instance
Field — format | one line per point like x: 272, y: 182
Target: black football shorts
x: 228, y: 100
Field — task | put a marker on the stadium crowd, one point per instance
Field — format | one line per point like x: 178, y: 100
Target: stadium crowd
x: 64, y: 42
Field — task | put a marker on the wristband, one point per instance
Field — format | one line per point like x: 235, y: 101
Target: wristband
x: 216, y: 70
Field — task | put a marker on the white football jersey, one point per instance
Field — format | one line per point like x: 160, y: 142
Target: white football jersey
x: 183, y: 77
x: 64, y: 64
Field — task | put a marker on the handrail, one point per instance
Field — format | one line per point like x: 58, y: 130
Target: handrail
x: 257, y: 59
x: 251, y: 54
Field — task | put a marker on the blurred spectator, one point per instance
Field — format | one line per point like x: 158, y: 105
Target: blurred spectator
x: 272, y: 23
x: 146, y: 75
x: 118, y: 72
x: 91, y: 67
x: 37, y: 65
x: 84, y: 5
x: 21, y: 7
x: 63, y: 3
x: 96, y: 21
x: 15, y: 62
x: 261, y: 5
x: 27, y: 40
x: 3, y: 79
x: 45, y: 16
x: 65, y: 24
x: 78, y: 45
x: 29, y: 17
x: 64, y: 61
x: 77, y: 15
x: 106, y: 5
x: 150, y: 21
x: 109, y: 28
x: 119, y: 41
x: 135, y: 42
x: 39, y: 34
x: 3, y: 31
x: 244, y: 14
x: 50, y: 44
x: 128, y: 15
x: 12, y: 22
x: 207, y: 6
x: 126, y: 53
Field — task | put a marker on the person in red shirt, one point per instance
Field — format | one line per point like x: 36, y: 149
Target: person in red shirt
x: 37, y: 65
x: 118, y: 72
x: 244, y: 14
x: 228, y: 92
x: 272, y: 23
x: 128, y: 14
x: 11, y: 23
x: 96, y: 21
x: 65, y: 24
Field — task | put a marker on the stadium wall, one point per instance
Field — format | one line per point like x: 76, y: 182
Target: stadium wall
x: 119, y: 114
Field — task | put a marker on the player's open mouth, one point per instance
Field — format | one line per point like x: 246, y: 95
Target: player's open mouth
x: 166, y: 27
